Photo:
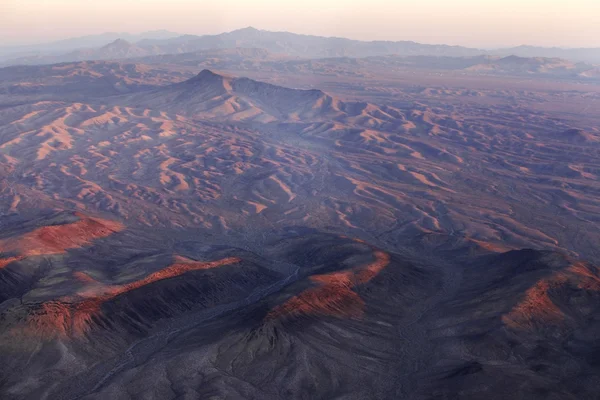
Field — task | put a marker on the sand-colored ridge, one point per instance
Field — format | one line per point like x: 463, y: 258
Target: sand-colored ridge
x: 491, y: 246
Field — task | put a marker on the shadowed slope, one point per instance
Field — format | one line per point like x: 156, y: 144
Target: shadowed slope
x: 520, y: 327
x: 72, y: 316
x: 5, y: 261
x: 400, y: 328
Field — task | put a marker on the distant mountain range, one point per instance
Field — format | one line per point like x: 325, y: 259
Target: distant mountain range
x: 305, y: 46
x: 491, y: 65
x: 118, y: 49
x: 261, y: 60
x: 591, y: 55
x: 281, y: 43
x: 124, y: 56
x: 62, y: 47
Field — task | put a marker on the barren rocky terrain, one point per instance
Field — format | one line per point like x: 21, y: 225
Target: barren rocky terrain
x: 233, y: 224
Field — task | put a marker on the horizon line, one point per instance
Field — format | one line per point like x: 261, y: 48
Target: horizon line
x: 249, y: 27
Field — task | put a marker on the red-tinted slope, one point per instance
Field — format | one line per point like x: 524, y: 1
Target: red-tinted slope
x: 537, y: 306
x: 548, y: 301
x: 5, y: 261
x: 56, y: 239
x: 334, y: 295
x: 84, y: 278
x: 71, y: 316
x: 588, y: 276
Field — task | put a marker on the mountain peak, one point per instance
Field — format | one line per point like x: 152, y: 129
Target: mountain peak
x: 246, y: 31
x: 213, y: 95
x: 119, y: 43
x: 205, y: 73
x: 209, y: 78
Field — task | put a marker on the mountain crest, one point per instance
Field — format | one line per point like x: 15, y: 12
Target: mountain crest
x: 208, y: 74
x: 119, y: 43
x: 207, y: 78
x: 214, y: 95
x: 247, y: 30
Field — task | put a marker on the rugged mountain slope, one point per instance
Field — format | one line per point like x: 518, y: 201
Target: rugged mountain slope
x: 313, y: 315
x: 490, y: 174
x: 210, y: 95
x: 523, y: 322
x: 225, y: 237
x: 213, y: 96
x: 417, y: 343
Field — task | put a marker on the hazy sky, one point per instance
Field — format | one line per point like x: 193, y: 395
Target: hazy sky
x: 483, y: 23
